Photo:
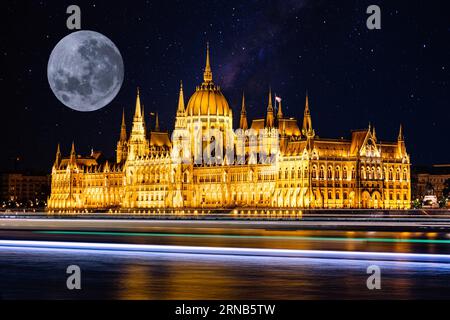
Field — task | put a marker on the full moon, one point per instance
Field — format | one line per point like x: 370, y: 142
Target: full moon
x: 85, y: 71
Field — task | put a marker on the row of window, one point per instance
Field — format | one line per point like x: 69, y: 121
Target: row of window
x: 151, y: 197
x: 366, y: 173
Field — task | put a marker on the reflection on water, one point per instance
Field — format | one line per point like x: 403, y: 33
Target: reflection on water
x: 40, y: 274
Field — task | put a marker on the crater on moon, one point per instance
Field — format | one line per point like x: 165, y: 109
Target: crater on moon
x: 85, y: 71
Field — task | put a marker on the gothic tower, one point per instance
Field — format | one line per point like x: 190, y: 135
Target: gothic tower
x: 138, y: 143
x: 270, y: 118
x: 243, y: 124
x: 122, y: 144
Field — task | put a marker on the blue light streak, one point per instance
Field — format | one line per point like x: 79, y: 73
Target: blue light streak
x: 250, y: 252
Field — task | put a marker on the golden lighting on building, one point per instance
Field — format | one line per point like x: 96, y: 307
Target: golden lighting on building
x: 157, y: 173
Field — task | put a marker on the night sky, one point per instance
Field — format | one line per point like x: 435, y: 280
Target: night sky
x: 399, y: 74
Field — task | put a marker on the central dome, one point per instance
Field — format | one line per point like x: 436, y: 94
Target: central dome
x: 207, y: 98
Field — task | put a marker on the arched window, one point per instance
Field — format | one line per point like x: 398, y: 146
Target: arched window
x: 321, y: 173
x: 363, y: 173
x: 405, y: 175
x: 390, y: 175
x: 337, y: 175
x: 337, y: 195
x: 353, y: 173
x: 397, y: 175
x: 314, y: 172
x: 344, y: 173
x: 329, y: 173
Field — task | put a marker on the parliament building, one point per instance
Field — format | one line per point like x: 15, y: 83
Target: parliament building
x: 273, y: 163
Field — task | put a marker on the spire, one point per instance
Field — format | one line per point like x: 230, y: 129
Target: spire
x: 269, y: 120
x: 106, y: 168
x: 180, y: 110
x: 122, y: 147
x: 207, y: 74
x: 157, y: 122
x: 307, y: 122
x: 243, y: 124
x: 123, y: 128
x: 138, y: 111
x: 307, y: 104
x: 143, y: 118
x: 401, y: 147
x: 269, y: 106
x: 280, y: 111
x: 243, y: 111
x: 73, y: 155
x: 58, y: 155
x: 400, y: 134
x: 374, y: 134
x: 138, y: 129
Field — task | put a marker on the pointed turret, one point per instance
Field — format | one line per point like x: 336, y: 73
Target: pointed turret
x: 207, y: 74
x: 307, y: 129
x: 401, y: 147
x: 138, y: 127
x: 270, y: 119
x: 181, y: 108
x: 58, y: 155
x: 138, y: 110
x: 157, y: 122
x: 122, y: 144
x: 243, y: 124
x: 307, y: 122
x: 400, y: 134
x: 143, y: 118
x: 138, y: 144
x: 280, y: 111
x: 106, y: 168
x: 73, y: 155
x: 123, y: 128
x: 181, y: 111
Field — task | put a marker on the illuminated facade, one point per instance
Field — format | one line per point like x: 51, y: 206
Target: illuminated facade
x: 155, y: 170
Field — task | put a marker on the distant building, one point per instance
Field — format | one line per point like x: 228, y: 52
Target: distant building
x: 23, y: 187
x: 430, y: 180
